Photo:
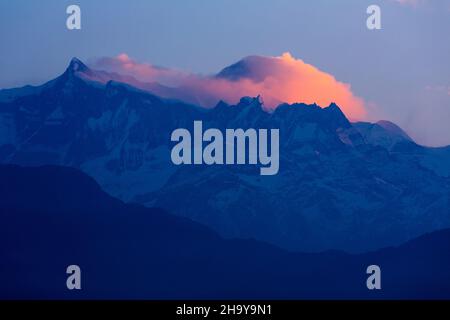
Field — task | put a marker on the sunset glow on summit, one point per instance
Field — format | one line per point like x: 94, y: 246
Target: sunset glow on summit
x: 277, y: 80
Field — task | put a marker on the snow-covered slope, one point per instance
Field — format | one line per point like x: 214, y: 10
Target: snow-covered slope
x: 382, y: 133
x: 338, y: 187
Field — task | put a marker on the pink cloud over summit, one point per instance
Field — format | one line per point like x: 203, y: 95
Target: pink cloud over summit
x: 276, y: 79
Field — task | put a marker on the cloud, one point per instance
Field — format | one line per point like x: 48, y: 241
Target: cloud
x: 276, y: 79
x: 436, y: 5
x: 410, y: 2
x: 440, y: 89
x: 144, y: 72
x: 429, y: 114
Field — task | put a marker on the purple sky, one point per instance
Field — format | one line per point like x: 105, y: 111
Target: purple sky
x: 402, y: 72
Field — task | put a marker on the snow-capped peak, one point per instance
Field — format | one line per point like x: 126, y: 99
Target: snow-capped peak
x: 76, y: 65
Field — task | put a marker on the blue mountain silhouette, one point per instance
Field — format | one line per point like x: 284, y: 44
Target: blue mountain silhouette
x: 341, y: 185
x: 52, y: 217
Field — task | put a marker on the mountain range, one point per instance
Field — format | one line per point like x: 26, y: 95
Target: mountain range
x: 52, y: 217
x: 341, y: 185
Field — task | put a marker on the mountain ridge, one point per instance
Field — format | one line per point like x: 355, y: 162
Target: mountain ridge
x: 127, y: 251
x: 334, y: 190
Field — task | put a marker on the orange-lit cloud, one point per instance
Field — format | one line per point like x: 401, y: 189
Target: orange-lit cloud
x: 276, y: 79
x: 143, y: 72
